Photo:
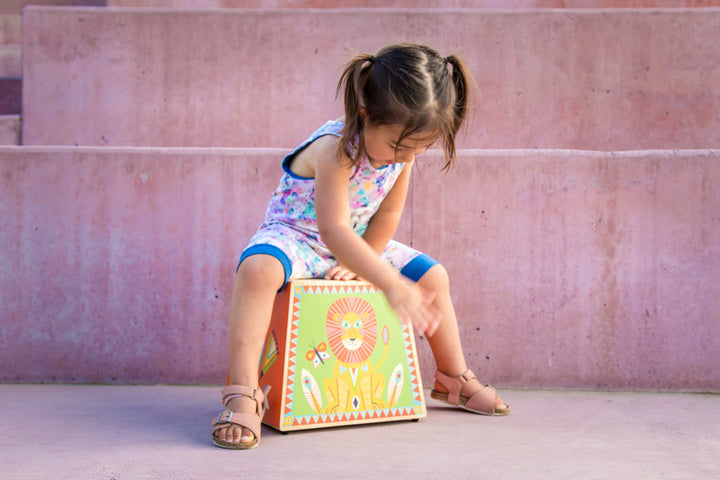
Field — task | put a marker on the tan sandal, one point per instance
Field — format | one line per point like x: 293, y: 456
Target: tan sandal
x: 251, y: 421
x: 465, y: 391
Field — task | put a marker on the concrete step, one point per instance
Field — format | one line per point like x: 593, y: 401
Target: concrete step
x: 10, y: 60
x: 10, y: 29
x: 9, y: 129
x: 15, y: 7
x: 595, y: 79
x: 414, y: 4
x: 10, y: 95
x: 569, y: 269
x: 10, y: 71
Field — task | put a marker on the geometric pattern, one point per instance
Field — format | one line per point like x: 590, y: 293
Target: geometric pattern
x: 292, y: 391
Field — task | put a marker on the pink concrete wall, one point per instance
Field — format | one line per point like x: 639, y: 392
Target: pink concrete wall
x: 591, y: 79
x: 15, y: 7
x: 117, y: 264
x: 582, y: 269
x: 570, y: 269
x: 10, y: 30
x: 10, y: 61
x: 9, y: 129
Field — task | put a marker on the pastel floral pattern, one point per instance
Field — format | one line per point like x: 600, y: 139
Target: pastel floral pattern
x: 291, y: 222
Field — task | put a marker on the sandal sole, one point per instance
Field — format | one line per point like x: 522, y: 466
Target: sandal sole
x: 443, y: 397
x: 235, y: 446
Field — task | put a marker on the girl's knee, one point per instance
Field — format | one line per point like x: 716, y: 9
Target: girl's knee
x: 261, y: 270
x: 436, y: 278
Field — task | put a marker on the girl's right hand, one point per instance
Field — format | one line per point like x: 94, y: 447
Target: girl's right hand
x: 338, y: 272
x: 414, y: 304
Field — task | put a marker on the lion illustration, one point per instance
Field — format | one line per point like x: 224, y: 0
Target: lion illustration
x: 355, y: 383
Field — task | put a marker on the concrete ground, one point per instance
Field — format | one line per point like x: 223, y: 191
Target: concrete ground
x: 137, y: 432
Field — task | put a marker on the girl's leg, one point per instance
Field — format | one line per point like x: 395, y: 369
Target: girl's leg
x: 257, y: 281
x: 445, y: 342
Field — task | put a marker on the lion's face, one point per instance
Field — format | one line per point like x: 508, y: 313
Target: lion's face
x: 352, y: 325
x: 351, y: 329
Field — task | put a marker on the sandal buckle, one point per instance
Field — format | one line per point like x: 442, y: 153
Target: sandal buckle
x: 467, y: 376
x: 224, y: 417
x: 266, y: 390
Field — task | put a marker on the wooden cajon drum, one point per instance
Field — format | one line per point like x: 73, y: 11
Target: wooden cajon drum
x: 336, y: 354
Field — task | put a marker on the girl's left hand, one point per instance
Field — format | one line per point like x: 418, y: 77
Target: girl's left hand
x: 338, y: 272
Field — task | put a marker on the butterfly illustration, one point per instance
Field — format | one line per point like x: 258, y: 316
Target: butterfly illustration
x: 318, y: 354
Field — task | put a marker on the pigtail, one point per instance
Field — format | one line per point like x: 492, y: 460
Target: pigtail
x: 462, y: 81
x: 350, y: 85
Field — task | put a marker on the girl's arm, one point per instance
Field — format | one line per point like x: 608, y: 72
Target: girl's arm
x: 333, y: 214
x: 385, y: 222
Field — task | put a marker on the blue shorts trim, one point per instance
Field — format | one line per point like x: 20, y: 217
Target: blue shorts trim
x: 418, y: 266
x: 273, y: 251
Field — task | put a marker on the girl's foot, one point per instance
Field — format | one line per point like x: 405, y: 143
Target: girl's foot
x: 238, y: 426
x: 235, y: 433
x: 465, y: 391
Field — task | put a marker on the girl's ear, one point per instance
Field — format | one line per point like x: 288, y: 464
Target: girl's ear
x: 363, y: 114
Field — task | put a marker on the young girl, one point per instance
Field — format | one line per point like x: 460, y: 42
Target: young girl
x: 334, y: 214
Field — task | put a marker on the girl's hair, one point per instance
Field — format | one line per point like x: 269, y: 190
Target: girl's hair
x: 408, y: 85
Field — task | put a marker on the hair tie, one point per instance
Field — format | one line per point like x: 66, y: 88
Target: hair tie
x: 372, y: 59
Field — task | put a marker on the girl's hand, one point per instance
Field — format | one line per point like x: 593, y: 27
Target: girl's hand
x: 414, y: 304
x: 338, y: 272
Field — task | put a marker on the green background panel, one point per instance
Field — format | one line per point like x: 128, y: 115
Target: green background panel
x: 311, y: 319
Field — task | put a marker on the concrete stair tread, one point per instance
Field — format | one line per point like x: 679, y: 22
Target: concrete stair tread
x: 10, y: 29
x: 548, y: 78
x: 10, y: 60
x: 15, y: 7
x: 9, y: 129
x: 414, y: 4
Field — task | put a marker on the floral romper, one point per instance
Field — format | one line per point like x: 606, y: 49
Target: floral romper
x: 290, y: 231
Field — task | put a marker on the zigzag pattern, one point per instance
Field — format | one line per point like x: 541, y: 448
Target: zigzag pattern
x: 330, y: 289
x: 294, y: 329
x: 394, y: 413
x: 412, y: 367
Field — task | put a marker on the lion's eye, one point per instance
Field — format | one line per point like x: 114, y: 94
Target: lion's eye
x: 345, y: 324
x: 358, y: 324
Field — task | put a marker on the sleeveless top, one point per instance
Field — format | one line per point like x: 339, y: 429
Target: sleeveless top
x: 293, y: 202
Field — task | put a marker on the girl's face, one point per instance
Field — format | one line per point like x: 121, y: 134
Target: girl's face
x: 382, y: 148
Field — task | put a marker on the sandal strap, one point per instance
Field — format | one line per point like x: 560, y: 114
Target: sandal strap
x: 475, y: 395
x: 466, y: 385
x: 482, y: 399
x: 233, y: 391
x: 456, y: 385
x: 251, y: 421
